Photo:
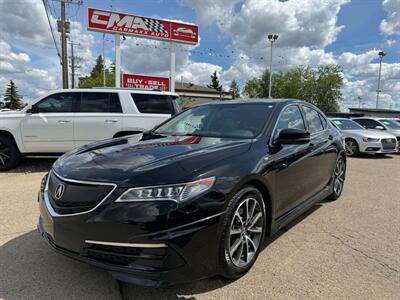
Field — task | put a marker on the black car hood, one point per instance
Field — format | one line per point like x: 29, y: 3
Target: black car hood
x: 147, y: 160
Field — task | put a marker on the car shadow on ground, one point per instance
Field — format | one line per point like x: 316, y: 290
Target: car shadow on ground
x: 30, y: 269
x: 373, y: 156
x: 33, y: 165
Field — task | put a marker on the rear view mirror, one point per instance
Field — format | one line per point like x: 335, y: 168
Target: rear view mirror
x: 293, y: 136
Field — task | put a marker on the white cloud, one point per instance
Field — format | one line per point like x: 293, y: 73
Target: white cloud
x: 25, y: 21
x: 198, y: 72
x: 209, y: 11
x: 391, y: 25
x: 17, y: 67
x: 310, y: 23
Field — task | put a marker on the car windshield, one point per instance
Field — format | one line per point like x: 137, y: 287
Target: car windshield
x: 390, y: 124
x: 239, y: 120
x: 347, y: 124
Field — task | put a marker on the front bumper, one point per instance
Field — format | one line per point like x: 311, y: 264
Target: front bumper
x: 376, y: 148
x: 133, y: 252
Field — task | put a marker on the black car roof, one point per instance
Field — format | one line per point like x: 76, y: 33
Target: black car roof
x: 255, y: 100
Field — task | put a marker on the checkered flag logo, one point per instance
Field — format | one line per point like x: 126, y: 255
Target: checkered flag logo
x: 154, y: 25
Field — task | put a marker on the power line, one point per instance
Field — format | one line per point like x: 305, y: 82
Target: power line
x: 51, y: 28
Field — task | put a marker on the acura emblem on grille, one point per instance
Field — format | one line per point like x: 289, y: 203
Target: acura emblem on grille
x: 59, y: 191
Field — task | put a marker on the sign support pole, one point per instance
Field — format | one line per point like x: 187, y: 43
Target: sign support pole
x: 172, y: 69
x: 117, y: 60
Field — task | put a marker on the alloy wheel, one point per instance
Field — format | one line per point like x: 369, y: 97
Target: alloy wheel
x: 245, y: 232
x: 5, y: 154
x: 351, y: 148
x: 339, y: 176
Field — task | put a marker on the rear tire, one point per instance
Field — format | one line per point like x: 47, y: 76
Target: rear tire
x: 243, y: 231
x: 9, y: 153
x: 338, y: 177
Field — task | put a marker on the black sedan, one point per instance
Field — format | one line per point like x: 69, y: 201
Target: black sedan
x: 195, y: 196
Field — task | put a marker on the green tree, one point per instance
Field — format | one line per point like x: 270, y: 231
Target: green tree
x: 11, y: 98
x: 98, y: 68
x: 215, y: 82
x: 234, y: 90
x: 96, y: 76
x: 321, y: 87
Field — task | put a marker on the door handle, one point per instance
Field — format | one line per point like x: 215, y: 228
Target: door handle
x: 111, y: 121
x: 63, y: 121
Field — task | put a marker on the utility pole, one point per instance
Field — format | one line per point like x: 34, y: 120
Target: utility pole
x: 272, y: 38
x: 64, y: 56
x: 73, y: 64
x: 104, y: 62
x: 381, y: 55
x: 359, y: 101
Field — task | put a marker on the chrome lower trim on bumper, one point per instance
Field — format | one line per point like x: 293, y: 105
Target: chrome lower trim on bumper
x: 133, y: 245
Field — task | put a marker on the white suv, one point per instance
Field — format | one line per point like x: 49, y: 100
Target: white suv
x: 65, y: 119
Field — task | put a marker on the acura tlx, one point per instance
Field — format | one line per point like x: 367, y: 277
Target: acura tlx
x: 195, y: 196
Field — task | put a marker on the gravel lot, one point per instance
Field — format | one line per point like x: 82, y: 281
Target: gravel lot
x: 344, y: 249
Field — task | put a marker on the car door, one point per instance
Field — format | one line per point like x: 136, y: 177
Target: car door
x: 48, y: 127
x: 293, y: 165
x: 323, y: 153
x: 99, y: 116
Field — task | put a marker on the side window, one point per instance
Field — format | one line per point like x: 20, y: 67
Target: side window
x: 370, y: 124
x: 323, y: 121
x: 313, y: 120
x: 153, y: 104
x: 290, y: 118
x: 100, y: 102
x: 57, y: 103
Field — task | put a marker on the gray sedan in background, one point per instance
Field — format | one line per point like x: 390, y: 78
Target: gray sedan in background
x: 384, y: 124
x: 359, y: 140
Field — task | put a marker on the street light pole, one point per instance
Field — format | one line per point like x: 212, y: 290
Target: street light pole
x: 381, y: 55
x: 272, y: 38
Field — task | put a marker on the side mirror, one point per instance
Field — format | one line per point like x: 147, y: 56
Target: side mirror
x: 380, y: 127
x: 293, y: 136
x: 32, y: 110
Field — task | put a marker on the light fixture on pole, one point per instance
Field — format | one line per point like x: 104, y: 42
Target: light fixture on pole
x: 381, y: 55
x: 272, y: 38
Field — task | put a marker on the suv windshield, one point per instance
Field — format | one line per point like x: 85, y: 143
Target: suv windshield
x: 347, y: 124
x: 390, y: 124
x: 245, y: 120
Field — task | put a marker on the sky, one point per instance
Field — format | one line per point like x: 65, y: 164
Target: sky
x: 233, y: 42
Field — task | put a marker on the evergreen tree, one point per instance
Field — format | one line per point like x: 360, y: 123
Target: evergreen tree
x: 96, y: 75
x: 11, y: 98
x: 98, y: 68
x: 215, y: 82
x: 234, y: 89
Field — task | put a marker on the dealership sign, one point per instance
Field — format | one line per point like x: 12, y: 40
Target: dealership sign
x: 126, y: 24
x: 134, y: 81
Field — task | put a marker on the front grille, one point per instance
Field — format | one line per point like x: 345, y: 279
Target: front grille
x: 138, y: 258
x: 76, y: 197
x: 388, y: 144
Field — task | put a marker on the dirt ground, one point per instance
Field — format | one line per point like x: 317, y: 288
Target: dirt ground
x: 344, y: 249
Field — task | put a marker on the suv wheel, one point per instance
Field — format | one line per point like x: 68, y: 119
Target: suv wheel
x: 338, y: 178
x: 243, y: 232
x: 9, y: 153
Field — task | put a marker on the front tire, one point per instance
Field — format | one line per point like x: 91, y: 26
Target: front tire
x: 9, y: 153
x: 243, y: 231
x: 352, y: 148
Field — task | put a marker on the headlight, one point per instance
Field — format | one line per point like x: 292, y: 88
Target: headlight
x: 175, y: 192
x: 365, y: 139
